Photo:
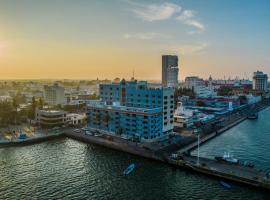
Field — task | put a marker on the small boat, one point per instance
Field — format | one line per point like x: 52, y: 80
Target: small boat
x: 226, y: 185
x: 129, y: 169
x: 227, y: 157
x: 247, y: 164
x: 253, y: 116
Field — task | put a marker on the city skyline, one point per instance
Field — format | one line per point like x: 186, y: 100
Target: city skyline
x: 86, y: 40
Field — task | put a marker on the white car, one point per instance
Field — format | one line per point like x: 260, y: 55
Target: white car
x: 88, y: 133
x: 77, y: 130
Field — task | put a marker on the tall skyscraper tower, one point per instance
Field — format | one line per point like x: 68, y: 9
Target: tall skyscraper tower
x: 170, y: 71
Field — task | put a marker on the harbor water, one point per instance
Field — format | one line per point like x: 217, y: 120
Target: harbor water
x: 68, y: 169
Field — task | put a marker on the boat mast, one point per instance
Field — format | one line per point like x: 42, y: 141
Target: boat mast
x: 198, y: 152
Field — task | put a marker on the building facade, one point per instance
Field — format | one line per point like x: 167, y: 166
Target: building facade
x: 54, y: 95
x: 133, y: 109
x: 76, y: 119
x: 170, y: 71
x: 199, y: 87
x: 260, y: 81
x: 51, y: 118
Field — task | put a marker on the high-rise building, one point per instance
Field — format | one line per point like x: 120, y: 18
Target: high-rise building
x: 133, y: 109
x: 170, y: 71
x: 54, y: 95
x: 260, y: 81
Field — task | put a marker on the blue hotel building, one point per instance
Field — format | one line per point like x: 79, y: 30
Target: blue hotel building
x: 133, y: 109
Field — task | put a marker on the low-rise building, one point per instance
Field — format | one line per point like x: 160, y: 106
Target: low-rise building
x: 76, y: 119
x: 198, y: 85
x: 51, y: 118
x: 186, y: 117
x: 6, y: 98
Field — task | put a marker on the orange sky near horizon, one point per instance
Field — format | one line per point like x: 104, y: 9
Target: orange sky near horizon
x: 81, y: 42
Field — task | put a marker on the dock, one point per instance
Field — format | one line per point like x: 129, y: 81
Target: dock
x: 224, y: 171
x: 232, y: 172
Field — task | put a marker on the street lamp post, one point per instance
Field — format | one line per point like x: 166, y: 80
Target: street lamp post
x: 198, y: 151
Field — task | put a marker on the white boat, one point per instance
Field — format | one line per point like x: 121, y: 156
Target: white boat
x: 227, y: 157
x: 129, y: 169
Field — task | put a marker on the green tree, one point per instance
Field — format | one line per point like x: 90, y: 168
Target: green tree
x: 32, y: 110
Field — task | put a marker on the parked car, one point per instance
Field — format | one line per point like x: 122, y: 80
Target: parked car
x: 77, y: 130
x: 88, y: 133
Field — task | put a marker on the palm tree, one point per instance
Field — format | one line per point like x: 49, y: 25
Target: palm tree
x: 15, y: 111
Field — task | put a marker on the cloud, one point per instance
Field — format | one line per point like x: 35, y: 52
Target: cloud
x: 156, y: 12
x: 186, y: 14
x: 192, y: 48
x: 163, y: 11
x: 196, y: 24
x: 145, y: 36
x: 187, y: 17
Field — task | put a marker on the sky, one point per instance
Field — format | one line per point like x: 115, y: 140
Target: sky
x: 86, y: 39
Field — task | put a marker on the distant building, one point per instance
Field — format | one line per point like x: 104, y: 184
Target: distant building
x: 186, y: 117
x: 170, y: 71
x: 191, y: 82
x: 260, y: 81
x: 54, y: 95
x: 243, y: 83
x: 199, y: 87
x: 133, y: 109
x: 51, y: 118
x: 6, y: 99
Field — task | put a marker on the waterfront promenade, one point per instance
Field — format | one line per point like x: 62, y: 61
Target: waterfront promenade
x: 210, y: 167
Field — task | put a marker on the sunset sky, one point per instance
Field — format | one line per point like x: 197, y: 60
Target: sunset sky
x: 86, y: 39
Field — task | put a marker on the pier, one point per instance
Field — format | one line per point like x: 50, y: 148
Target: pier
x: 225, y: 171
x: 232, y: 172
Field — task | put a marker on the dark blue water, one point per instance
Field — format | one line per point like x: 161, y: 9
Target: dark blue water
x: 67, y: 169
x: 249, y: 140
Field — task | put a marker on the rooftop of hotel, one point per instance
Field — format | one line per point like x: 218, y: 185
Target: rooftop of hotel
x: 137, y: 84
x: 51, y: 111
x: 118, y: 106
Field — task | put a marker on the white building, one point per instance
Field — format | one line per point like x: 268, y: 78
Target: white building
x: 185, y: 118
x: 76, y: 119
x: 191, y: 82
x: 260, y: 81
x: 54, y: 95
x: 51, y: 118
x: 198, y: 86
x: 170, y: 71
x: 6, y: 98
